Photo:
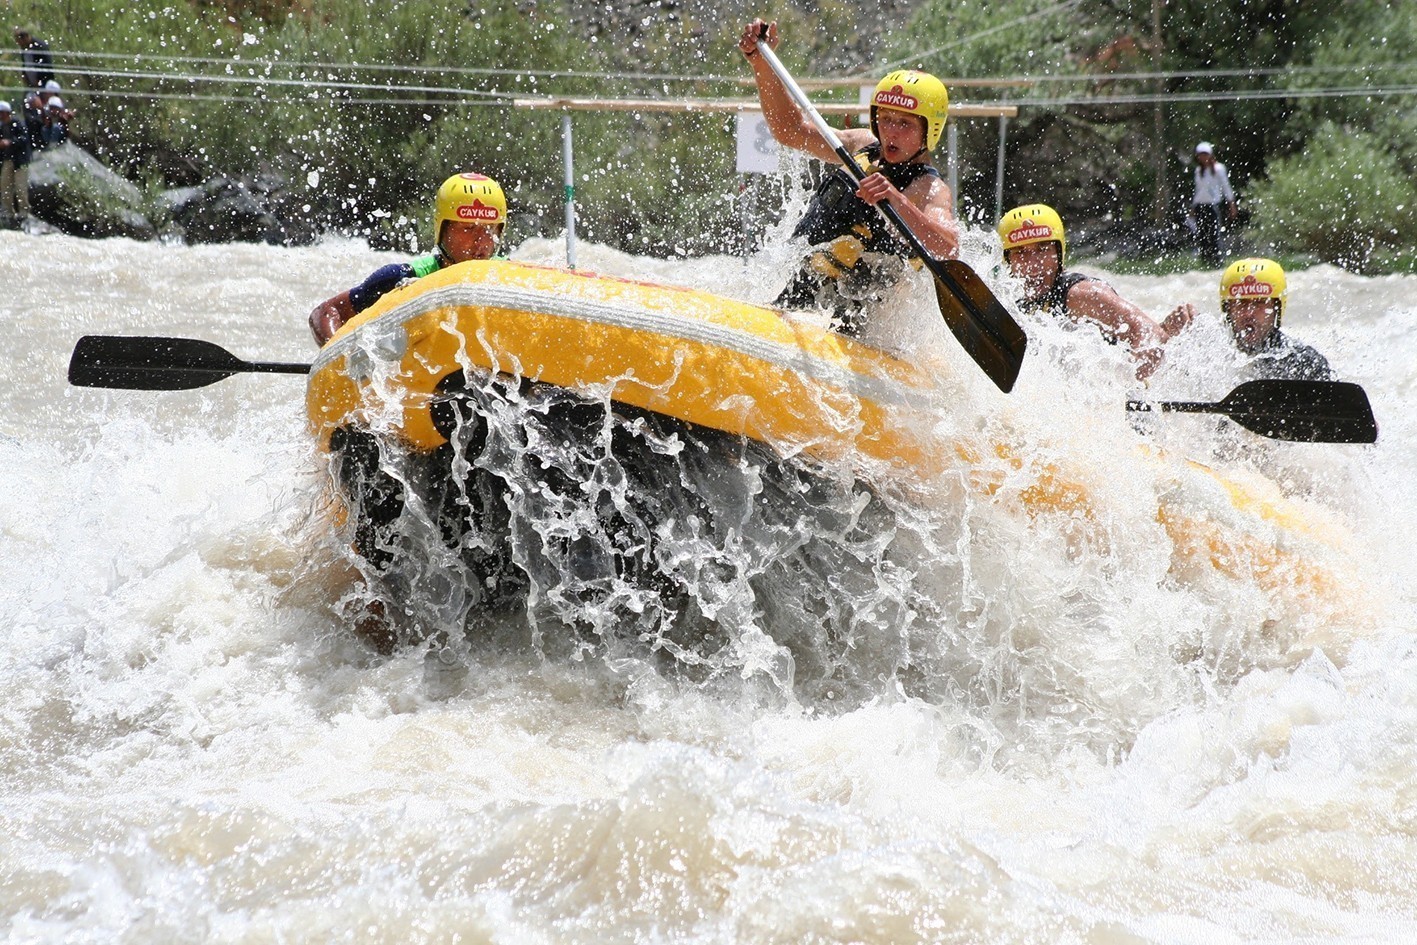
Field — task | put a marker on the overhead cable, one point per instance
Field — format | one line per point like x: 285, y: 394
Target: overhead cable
x: 1041, y: 102
x: 393, y: 67
x: 1172, y: 74
x: 261, y: 80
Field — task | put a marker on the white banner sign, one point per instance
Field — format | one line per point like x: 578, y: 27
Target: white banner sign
x: 757, y: 149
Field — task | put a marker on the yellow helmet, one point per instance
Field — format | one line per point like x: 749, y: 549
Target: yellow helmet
x: 471, y: 198
x: 918, y: 93
x: 1033, y: 223
x: 1254, y: 279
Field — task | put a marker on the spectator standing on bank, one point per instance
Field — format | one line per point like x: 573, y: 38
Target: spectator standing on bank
x: 36, y: 63
x: 34, y: 119
x: 1213, y: 196
x: 56, y: 123
x: 14, y: 169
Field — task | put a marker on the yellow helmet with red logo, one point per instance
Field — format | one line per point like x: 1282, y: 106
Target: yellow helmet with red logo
x: 469, y: 198
x: 1033, y: 223
x: 1255, y: 278
x: 917, y: 93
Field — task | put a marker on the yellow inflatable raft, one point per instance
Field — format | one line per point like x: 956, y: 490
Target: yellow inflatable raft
x: 700, y: 358
x: 745, y: 370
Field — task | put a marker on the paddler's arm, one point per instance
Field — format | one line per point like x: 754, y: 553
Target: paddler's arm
x: 785, y: 120
x: 926, y: 206
x: 1097, y: 301
x: 328, y: 317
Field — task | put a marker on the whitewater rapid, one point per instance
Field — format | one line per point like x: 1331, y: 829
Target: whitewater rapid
x: 194, y: 746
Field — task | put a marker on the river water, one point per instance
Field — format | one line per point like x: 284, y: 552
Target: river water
x: 1104, y: 747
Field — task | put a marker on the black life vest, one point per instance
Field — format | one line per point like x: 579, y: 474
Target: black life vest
x: 836, y: 211
x: 1285, y: 358
x: 1055, y: 300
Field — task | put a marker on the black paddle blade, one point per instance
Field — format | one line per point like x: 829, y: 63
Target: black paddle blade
x: 1303, y: 411
x: 129, y: 363
x: 979, y: 321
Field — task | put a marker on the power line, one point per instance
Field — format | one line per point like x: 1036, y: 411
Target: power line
x: 402, y: 94
x: 256, y: 100
x: 262, y: 81
x: 1232, y: 96
x: 1176, y: 74
x: 391, y: 67
x: 1038, y: 102
x: 1218, y: 73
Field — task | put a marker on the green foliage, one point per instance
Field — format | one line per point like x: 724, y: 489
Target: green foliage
x: 1372, y: 46
x: 977, y: 38
x: 371, y: 165
x: 656, y: 183
x: 1341, y: 166
x: 1083, y: 163
x: 83, y: 198
x: 1342, y: 199
x: 1106, y: 159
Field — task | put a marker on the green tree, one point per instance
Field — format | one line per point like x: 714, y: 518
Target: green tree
x: 1102, y: 156
x: 1345, y: 199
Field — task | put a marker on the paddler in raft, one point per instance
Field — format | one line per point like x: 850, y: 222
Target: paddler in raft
x: 856, y: 253
x: 468, y: 219
x: 1035, y: 248
x: 1253, y: 294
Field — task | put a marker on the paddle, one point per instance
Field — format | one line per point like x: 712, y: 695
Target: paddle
x: 1302, y: 411
x: 980, y: 323
x: 130, y: 363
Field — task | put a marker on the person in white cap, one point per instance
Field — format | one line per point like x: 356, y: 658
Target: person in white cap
x: 14, y: 169
x: 56, y: 123
x: 1213, y: 191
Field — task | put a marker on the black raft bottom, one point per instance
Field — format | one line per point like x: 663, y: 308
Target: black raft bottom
x: 594, y: 527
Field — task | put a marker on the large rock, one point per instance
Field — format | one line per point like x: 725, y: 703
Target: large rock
x: 1128, y: 239
x: 225, y: 210
x: 72, y: 190
x: 222, y: 210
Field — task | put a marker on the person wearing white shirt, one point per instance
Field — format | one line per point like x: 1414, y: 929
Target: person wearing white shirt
x: 1212, y: 192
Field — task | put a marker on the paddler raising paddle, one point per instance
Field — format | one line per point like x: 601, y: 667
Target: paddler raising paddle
x: 856, y: 253
x: 1035, y: 247
x: 468, y: 219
